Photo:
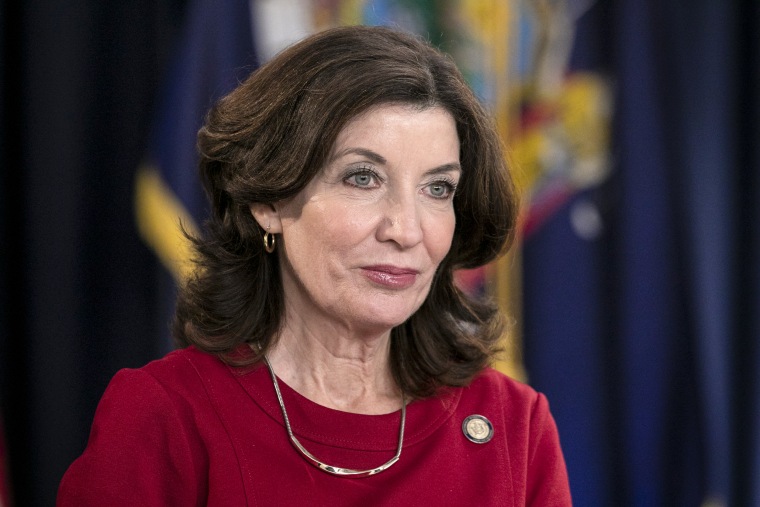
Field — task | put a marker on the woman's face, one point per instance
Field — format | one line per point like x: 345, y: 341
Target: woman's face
x: 361, y: 243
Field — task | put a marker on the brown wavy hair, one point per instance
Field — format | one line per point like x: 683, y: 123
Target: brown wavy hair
x: 268, y: 138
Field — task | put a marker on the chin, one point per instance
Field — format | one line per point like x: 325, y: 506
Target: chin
x: 383, y: 319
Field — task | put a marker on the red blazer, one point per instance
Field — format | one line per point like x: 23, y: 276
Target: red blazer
x: 190, y: 430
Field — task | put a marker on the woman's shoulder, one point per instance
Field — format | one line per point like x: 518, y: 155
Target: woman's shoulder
x: 182, y: 362
x: 491, y: 378
x: 145, y: 446
x: 179, y: 374
x: 523, y: 415
x: 493, y: 386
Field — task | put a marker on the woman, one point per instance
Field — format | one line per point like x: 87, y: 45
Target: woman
x: 329, y: 358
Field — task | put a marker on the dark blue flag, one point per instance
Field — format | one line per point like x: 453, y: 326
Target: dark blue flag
x: 215, y: 52
x: 566, y: 242
x: 645, y: 335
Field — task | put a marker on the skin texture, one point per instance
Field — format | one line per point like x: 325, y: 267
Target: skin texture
x: 359, y: 247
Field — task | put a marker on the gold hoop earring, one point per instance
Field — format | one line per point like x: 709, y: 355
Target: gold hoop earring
x: 269, y: 242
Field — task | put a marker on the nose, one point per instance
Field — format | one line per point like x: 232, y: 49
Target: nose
x: 401, y: 223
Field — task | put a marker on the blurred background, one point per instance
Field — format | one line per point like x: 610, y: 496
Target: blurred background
x: 632, y: 126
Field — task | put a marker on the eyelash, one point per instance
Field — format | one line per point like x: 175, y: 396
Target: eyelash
x: 362, y: 171
x: 450, y: 184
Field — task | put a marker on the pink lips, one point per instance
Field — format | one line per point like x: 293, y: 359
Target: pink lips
x: 391, y: 276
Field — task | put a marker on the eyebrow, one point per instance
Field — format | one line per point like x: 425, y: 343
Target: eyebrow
x: 374, y: 157
x: 379, y: 159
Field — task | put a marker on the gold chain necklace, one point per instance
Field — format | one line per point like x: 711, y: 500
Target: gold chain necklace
x: 344, y: 472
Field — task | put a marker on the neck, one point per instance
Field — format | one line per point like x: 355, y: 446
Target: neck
x: 336, y: 368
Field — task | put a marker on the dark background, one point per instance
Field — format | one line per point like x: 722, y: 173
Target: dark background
x: 78, y: 292
x: 674, y: 356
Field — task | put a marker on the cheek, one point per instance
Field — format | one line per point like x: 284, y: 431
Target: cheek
x: 356, y: 220
x: 328, y: 231
x: 439, y: 237
x: 347, y: 223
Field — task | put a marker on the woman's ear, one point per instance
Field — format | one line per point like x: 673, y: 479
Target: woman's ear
x: 267, y: 217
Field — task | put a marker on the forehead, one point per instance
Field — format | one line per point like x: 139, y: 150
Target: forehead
x: 397, y: 123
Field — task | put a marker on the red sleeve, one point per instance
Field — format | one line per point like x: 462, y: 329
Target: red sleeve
x: 140, y: 451
x: 547, y: 474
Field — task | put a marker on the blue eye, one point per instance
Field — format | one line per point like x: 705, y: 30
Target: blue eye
x: 363, y: 178
x: 437, y: 190
x: 441, y: 189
